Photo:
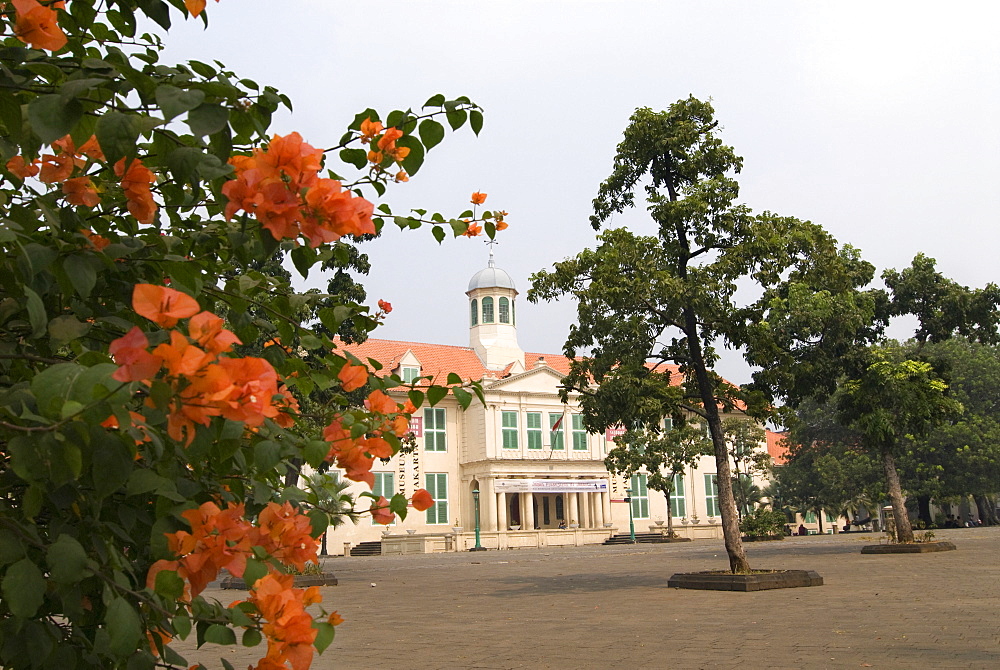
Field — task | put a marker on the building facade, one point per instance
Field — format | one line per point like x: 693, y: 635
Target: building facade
x: 524, y: 456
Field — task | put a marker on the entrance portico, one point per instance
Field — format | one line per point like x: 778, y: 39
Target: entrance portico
x: 541, y: 503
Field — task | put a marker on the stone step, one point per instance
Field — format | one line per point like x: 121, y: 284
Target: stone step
x: 373, y: 548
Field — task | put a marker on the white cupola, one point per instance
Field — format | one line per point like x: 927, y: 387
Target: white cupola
x: 492, y: 318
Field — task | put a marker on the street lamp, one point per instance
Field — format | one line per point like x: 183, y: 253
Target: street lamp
x: 631, y: 520
x: 475, y: 497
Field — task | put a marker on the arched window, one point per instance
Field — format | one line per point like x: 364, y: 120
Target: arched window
x: 475, y: 311
x: 504, y: 310
x: 487, y: 310
x: 513, y: 318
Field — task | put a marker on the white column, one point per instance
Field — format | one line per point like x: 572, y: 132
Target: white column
x: 501, y: 515
x: 573, y: 511
x: 595, y: 509
x: 487, y: 503
x: 606, y: 505
x: 586, y: 521
x: 527, y: 511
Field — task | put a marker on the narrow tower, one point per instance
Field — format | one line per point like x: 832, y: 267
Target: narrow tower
x: 492, y: 318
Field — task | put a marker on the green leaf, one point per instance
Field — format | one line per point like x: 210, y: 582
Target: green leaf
x: 124, y: 626
x: 324, y: 635
x: 63, y: 329
x: 117, y: 133
x: 435, y: 394
x: 438, y: 233
x: 252, y: 637
x: 435, y: 101
x: 67, y: 560
x: 36, y: 313
x: 454, y: 378
x: 255, y: 570
x: 416, y: 397
x: 266, y: 455
x: 169, y: 584
x: 431, y: 133
x: 456, y: 117
x: 182, y: 626
x: 219, y: 634
x: 81, y: 274
x: 207, y: 119
x: 10, y: 549
x: 476, y: 121
x: 464, y: 397
x: 51, y: 117
x: 356, y: 157
x: 415, y: 159
x: 23, y: 588
x: 319, y: 520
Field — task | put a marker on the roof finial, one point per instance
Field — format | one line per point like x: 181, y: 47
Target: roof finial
x: 490, y: 244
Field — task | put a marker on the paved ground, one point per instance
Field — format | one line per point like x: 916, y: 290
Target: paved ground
x: 609, y: 607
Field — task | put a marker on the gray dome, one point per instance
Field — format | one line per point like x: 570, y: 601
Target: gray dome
x: 491, y: 277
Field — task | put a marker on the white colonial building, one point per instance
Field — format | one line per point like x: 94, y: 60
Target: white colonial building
x: 539, y: 474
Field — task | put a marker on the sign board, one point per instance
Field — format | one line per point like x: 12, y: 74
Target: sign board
x: 611, y: 433
x: 551, y: 485
x: 417, y: 426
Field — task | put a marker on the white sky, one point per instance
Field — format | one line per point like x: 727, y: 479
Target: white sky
x: 877, y: 120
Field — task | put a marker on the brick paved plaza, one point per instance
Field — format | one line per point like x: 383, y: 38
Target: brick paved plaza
x: 609, y: 607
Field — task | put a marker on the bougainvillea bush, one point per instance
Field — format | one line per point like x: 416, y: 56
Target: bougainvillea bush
x: 161, y: 383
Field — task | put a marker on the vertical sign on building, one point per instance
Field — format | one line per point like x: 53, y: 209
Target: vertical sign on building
x: 402, y: 475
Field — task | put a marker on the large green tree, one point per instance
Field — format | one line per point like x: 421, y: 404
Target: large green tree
x: 652, y: 308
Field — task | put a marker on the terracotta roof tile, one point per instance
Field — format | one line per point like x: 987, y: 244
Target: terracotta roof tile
x: 776, y: 447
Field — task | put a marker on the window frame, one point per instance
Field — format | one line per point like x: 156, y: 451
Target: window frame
x: 578, y: 432
x: 712, y: 494
x: 678, y: 501
x: 639, y: 496
x: 435, y: 435
x: 503, y: 310
x: 488, y: 310
x: 378, y: 489
x: 474, y: 315
x: 533, y: 431
x: 439, y: 510
x: 559, y: 433
x: 509, y: 431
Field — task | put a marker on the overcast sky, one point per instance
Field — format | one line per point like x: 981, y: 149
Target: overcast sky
x: 878, y: 120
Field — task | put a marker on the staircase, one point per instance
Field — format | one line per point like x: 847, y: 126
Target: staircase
x: 645, y: 538
x: 367, y: 549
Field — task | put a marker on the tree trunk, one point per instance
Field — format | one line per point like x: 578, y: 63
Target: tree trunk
x: 904, y: 531
x: 819, y: 515
x: 670, y: 515
x: 987, y: 516
x: 924, y: 510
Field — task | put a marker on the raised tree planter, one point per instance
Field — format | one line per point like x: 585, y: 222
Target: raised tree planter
x: 910, y: 548
x: 715, y: 580
x: 763, y: 538
x: 301, y: 581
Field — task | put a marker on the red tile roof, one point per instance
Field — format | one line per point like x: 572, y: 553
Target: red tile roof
x: 440, y: 359
x: 776, y: 447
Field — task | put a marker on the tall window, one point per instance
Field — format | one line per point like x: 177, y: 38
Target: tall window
x: 410, y: 372
x: 533, y: 422
x: 678, y: 508
x: 509, y: 429
x: 712, y: 495
x: 640, y: 497
x: 579, y: 433
x: 556, y: 430
x: 384, y: 486
x: 437, y: 486
x: 668, y: 424
x: 487, y: 310
x: 434, y: 429
x: 475, y: 312
x: 504, y: 305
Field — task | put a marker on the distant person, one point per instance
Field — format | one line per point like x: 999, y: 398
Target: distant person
x: 802, y: 530
x: 562, y: 524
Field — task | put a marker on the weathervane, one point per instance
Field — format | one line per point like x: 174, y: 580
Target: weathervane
x: 490, y: 244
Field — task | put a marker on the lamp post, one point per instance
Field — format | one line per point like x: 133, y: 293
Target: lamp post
x: 475, y: 498
x: 631, y: 519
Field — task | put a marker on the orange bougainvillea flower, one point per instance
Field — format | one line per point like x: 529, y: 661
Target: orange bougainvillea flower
x: 381, y: 513
x: 501, y: 225
x: 20, y: 168
x: 135, y: 182
x: 478, y: 198
x: 206, y: 328
x: 421, y: 500
x: 37, y: 25
x: 97, y: 241
x: 385, y: 306
x: 352, y: 376
x: 135, y: 363
x: 388, y: 141
x: 473, y: 230
x: 57, y: 168
x: 80, y: 191
x: 369, y: 129
x: 377, y: 401
x: 401, y: 176
x: 91, y: 149
x: 163, y: 306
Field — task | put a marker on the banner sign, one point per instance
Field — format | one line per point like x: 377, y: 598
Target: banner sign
x: 551, y: 485
x: 417, y: 426
x: 611, y: 433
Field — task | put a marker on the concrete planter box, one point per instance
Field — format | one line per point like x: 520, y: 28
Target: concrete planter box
x: 301, y: 581
x: 912, y: 548
x: 761, y: 581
